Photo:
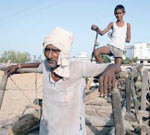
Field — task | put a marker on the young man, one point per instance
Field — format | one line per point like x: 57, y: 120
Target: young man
x: 121, y: 33
x: 63, y: 85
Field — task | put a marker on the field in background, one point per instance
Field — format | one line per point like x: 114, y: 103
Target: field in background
x: 15, y: 100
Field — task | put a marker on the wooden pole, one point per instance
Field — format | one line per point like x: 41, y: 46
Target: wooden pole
x: 94, y: 47
x: 116, y: 110
x: 22, y: 70
x: 3, y: 87
x: 144, y: 89
x: 134, y: 97
x: 128, y: 95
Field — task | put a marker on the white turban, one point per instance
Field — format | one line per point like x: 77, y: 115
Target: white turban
x: 62, y: 39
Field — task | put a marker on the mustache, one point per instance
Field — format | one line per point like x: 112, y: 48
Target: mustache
x: 50, y: 60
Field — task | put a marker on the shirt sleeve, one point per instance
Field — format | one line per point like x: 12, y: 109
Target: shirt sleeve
x: 93, y: 69
x: 40, y: 68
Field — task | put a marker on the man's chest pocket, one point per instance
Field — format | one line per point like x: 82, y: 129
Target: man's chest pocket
x: 60, y: 96
x: 63, y: 96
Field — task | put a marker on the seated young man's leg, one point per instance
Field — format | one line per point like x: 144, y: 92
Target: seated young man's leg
x: 99, y: 51
x: 117, y: 54
x: 102, y: 50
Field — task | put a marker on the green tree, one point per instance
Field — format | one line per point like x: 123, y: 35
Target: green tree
x: 3, y: 57
x: 15, y: 57
x: 23, y: 57
x: 126, y: 61
x: 106, y: 58
x: 129, y: 61
x: 135, y: 59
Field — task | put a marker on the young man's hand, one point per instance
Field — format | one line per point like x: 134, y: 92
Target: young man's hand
x: 94, y: 27
x: 107, y: 80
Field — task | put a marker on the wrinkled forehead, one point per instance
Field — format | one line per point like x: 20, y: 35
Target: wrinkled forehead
x: 52, y: 47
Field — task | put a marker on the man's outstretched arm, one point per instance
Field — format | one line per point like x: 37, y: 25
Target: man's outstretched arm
x: 13, y: 68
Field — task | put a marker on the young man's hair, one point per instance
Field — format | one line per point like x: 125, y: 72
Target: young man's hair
x: 119, y: 7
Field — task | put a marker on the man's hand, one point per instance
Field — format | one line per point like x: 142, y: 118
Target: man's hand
x: 107, y: 79
x: 11, y: 69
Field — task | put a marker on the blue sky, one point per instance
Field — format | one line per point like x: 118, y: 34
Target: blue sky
x: 25, y: 23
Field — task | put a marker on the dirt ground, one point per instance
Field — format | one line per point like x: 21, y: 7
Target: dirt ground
x: 20, y: 92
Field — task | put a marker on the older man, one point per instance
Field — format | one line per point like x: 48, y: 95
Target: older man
x: 63, y: 85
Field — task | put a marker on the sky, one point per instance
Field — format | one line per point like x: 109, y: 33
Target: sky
x: 24, y: 24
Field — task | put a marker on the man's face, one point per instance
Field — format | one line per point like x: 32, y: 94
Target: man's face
x: 119, y: 14
x: 52, y: 53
